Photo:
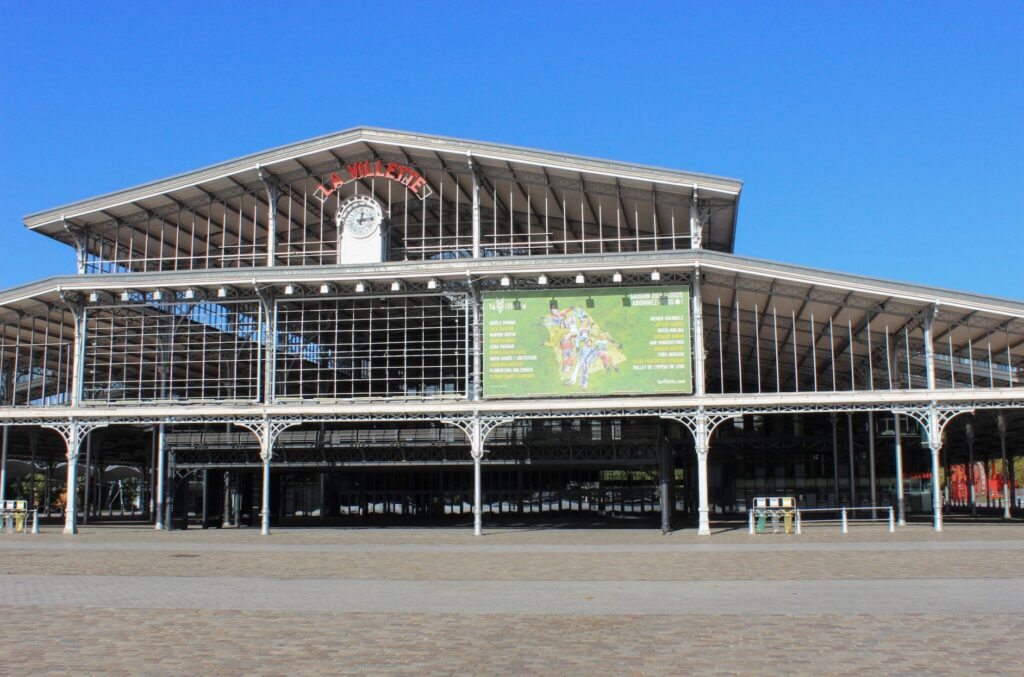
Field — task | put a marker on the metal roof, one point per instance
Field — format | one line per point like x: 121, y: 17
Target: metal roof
x: 800, y: 291
x: 437, y: 156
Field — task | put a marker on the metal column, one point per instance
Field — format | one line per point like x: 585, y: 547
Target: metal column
x: 70, y: 518
x: 871, y: 462
x: 935, y: 445
x: 834, y: 418
x: 934, y: 430
x: 73, y: 441
x: 1007, y: 470
x: 88, y: 477
x: 266, y: 452
x: 3, y: 465
x: 971, y: 499
x: 853, y: 471
x: 206, y: 497
x: 901, y: 511
x: 476, y: 206
x: 33, y: 441
x: 225, y: 520
x: 271, y: 214
x: 161, y: 473
x: 701, y: 446
x: 476, y: 449
x: 698, y: 335
x: 667, y: 476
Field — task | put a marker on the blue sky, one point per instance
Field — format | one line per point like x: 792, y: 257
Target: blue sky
x: 876, y: 138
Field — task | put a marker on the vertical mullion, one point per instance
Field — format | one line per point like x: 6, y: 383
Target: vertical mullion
x: 796, y: 364
x: 757, y: 346
x: 739, y: 344
x: 775, y: 326
x: 814, y: 353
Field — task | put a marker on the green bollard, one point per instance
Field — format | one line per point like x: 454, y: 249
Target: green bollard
x: 761, y: 518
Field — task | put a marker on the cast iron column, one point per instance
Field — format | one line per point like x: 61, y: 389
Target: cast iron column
x: 1007, y: 474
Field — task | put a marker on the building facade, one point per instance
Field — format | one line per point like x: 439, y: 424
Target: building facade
x: 379, y: 322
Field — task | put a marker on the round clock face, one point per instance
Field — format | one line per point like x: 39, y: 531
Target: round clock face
x: 359, y: 216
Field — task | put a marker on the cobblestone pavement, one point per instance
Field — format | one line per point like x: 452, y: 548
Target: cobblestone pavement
x: 127, y: 600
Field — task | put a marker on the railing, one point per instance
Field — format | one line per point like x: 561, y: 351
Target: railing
x: 844, y: 518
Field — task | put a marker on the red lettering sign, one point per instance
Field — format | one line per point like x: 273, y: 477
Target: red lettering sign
x: 393, y: 171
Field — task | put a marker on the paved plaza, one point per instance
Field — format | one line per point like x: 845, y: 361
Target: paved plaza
x: 126, y: 599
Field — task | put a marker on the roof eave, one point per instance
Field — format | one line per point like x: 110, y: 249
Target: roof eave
x: 375, y: 135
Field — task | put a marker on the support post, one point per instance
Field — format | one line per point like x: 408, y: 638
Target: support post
x: 225, y: 521
x: 1013, y: 482
x: 476, y: 206
x: 476, y: 391
x: 271, y: 214
x: 73, y: 440
x: 667, y: 473
x: 3, y: 465
x: 698, y: 334
x: 696, y: 231
x: 853, y: 471
x: 78, y: 312
x: 88, y: 478
x: 834, y: 418
x: 161, y: 474
x: 929, y: 349
x: 206, y: 498
x: 971, y: 498
x: 1008, y: 477
x: 268, y: 308
x: 701, y: 446
x: 266, y: 452
x: 169, y: 493
x: 79, y: 238
x: 476, y: 449
x: 871, y: 463
x: 901, y: 510
x: 935, y: 445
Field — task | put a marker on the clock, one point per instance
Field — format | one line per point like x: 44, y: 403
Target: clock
x: 359, y: 216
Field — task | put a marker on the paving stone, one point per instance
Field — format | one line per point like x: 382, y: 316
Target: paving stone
x: 128, y: 600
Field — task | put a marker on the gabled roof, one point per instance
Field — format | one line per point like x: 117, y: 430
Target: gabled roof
x: 437, y: 154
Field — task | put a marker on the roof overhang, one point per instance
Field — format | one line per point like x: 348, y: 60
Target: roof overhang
x: 434, y: 154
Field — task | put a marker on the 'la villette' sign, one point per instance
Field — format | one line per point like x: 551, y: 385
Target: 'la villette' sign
x: 407, y: 176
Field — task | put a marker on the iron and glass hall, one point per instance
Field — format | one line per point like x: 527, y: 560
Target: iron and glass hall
x: 383, y: 327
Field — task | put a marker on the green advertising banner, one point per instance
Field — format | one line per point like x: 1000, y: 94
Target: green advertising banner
x: 609, y: 341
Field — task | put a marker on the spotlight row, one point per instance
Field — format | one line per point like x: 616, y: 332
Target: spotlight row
x: 325, y: 288
x: 542, y: 279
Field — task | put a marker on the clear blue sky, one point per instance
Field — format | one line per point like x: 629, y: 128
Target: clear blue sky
x: 875, y: 138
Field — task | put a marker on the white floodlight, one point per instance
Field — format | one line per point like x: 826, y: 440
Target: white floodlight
x: 655, y: 275
x: 506, y: 281
x: 580, y: 279
x: 326, y: 288
x: 126, y: 295
x: 158, y: 295
x: 289, y: 289
x: 360, y: 287
x: 432, y: 283
x: 189, y: 294
x: 396, y: 286
x: 94, y: 297
x: 542, y: 279
x: 222, y: 292
x: 616, y: 276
